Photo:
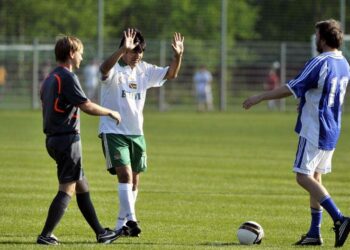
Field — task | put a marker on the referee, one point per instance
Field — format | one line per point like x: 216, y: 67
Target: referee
x: 62, y: 97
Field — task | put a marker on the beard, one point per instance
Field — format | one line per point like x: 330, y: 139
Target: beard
x: 319, y: 47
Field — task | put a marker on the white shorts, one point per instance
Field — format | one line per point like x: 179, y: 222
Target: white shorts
x: 310, y: 159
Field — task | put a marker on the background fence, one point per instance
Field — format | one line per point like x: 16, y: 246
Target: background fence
x: 248, y: 64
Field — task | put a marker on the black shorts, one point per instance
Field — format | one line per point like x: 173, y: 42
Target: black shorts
x: 67, y: 152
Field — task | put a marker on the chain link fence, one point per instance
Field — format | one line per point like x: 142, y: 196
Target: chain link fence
x: 24, y: 66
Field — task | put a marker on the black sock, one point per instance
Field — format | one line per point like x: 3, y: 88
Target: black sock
x: 56, y: 211
x: 87, y: 209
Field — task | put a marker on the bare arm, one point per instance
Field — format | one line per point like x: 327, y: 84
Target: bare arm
x: 108, y: 64
x: 278, y: 93
x: 129, y: 45
x: 95, y: 109
x: 178, y: 48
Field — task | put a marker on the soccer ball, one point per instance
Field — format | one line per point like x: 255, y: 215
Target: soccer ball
x: 250, y: 233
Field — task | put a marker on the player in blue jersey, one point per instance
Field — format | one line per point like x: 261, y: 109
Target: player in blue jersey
x: 321, y: 87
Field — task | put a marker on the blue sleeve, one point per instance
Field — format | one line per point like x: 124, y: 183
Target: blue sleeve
x: 307, y: 78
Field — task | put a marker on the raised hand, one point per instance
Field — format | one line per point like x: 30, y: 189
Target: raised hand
x: 178, y: 44
x: 129, y: 36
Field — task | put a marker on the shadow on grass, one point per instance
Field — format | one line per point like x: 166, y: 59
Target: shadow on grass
x: 67, y: 243
x: 220, y: 244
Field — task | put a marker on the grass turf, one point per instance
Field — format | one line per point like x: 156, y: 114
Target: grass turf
x: 207, y: 174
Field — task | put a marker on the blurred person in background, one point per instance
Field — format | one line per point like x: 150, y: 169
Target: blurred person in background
x: 273, y: 82
x: 44, y: 71
x: 62, y: 98
x: 202, y: 82
x: 321, y: 88
x: 125, y: 81
x: 3, y: 75
x: 91, y: 72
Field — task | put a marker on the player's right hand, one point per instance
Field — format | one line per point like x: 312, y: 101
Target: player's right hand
x: 116, y: 116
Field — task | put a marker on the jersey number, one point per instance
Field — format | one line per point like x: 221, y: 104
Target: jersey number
x: 342, y: 88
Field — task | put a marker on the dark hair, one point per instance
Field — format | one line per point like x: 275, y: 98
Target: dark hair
x: 330, y: 31
x: 65, y: 45
x: 138, y: 39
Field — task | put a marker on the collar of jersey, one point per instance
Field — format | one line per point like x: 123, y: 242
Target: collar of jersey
x: 337, y: 53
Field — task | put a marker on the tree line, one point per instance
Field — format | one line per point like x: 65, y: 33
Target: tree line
x: 275, y: 20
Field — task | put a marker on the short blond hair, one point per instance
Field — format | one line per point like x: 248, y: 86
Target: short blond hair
x: 66, y: 44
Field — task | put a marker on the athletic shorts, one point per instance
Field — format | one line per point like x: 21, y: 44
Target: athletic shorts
x: 66, y: 151
x: 123, y: 150
x: 310, y: 159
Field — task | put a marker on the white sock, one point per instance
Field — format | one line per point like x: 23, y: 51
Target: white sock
x: 121, y: 220
x: 127, y: 201
x: 135, y: 193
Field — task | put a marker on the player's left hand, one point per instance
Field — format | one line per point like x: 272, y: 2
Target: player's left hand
x: 251, y: 101
x: 129, y: 36
x: 178, y: 44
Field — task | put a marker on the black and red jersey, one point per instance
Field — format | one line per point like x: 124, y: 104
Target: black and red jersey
x: 60, y: 94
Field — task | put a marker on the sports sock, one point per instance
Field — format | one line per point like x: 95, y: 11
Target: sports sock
x: 126, y: 200
x: 56, y: 211
x: 328, y: 204
x: 87, y: 209
x: 315, y: 227
x: 135, y: 193
x: 121, y: 220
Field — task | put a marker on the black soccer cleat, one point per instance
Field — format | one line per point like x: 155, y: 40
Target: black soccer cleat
x: 123, y: 232
x: 309, y: 241
x: 47, y: 240
x: 107, y: 237
x: 341, y: 230
x: 133, y: 228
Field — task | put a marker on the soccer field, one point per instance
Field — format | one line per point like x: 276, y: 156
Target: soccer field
x: 207, y: 174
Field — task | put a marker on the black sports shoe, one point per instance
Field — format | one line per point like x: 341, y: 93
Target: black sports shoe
x: 107, y: 237
x: 341, y: 230
x: 309, y: 241
x: 123, y: 232
x: 134, y: 229
x: 51, y: 240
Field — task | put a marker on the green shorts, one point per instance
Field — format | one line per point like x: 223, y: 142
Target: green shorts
x: 122, y: 150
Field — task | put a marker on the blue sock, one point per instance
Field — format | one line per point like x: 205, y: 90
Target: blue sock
x: 328, y: 204
x: 315, y: 227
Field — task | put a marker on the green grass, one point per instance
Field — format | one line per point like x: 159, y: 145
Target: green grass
x: 207, y: 174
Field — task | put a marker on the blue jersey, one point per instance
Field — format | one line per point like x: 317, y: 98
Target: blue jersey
x: 321, y: 87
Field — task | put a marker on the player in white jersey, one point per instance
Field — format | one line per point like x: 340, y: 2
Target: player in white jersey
x: 321, y: 87
x: 125, y: 81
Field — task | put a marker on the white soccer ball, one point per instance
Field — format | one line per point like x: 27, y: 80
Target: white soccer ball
x: 250, y: 233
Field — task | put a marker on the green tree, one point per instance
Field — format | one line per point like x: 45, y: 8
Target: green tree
x: 292, y: 20
x: 196, y: 19
x: 43, y: 19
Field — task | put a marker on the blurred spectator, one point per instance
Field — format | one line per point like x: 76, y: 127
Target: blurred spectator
x: 273, y: 82
x: 202, y: 80
x: 91, y: 72
x: 44, y: 70
x: 3, y: 74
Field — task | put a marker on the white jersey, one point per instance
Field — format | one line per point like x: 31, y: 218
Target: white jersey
x: 125, y: 91
x: 202, y: 81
